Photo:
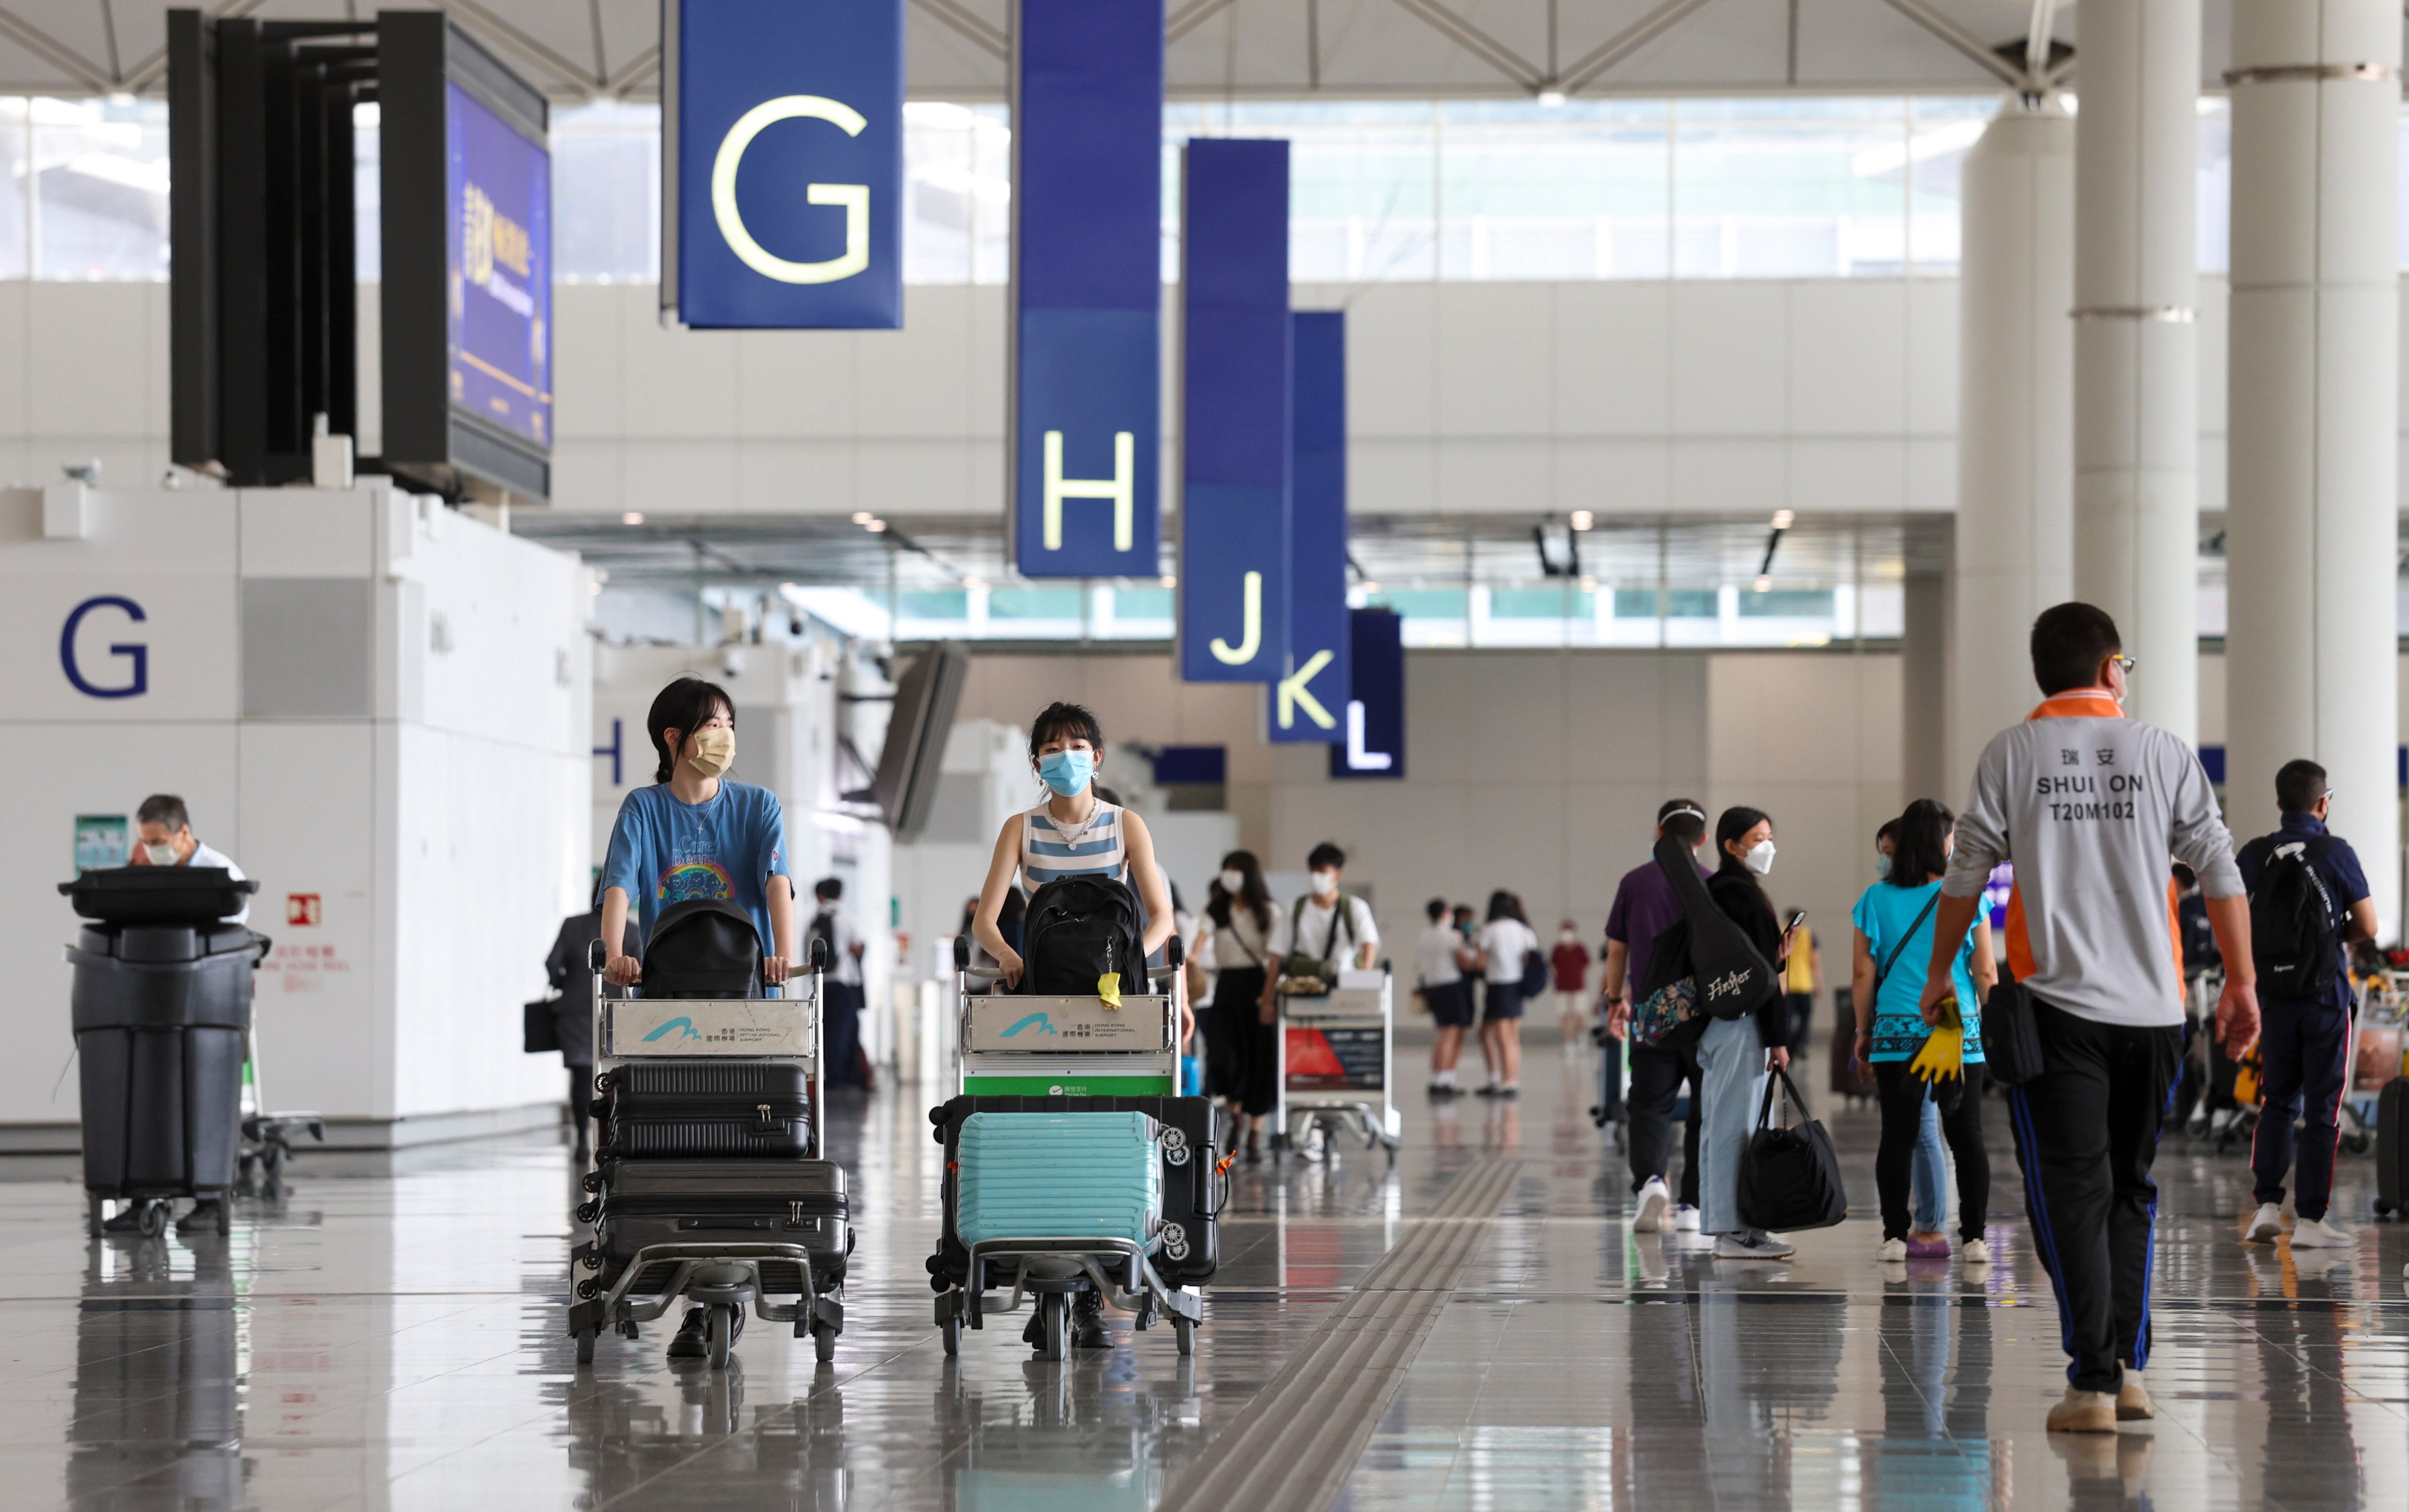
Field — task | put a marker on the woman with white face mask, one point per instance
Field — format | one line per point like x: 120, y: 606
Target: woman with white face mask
x: 1242, y: 1058
x: 1735, y: 1052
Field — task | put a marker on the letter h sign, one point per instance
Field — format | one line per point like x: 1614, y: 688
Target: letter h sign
x: 1121, y: 489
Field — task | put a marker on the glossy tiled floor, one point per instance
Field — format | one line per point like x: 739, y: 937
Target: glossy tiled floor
x: 394, y: 1341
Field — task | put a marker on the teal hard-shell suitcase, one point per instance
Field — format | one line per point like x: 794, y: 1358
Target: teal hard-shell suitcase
x: 1059, y: 1176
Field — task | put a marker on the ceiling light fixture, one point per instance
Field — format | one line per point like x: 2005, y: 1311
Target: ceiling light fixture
x: 1765, y: 584
x: 874, y: 527
x: 1584, y: 520
x: 1552, y: 99
x: 1784, y: 519
x: 632, y: 517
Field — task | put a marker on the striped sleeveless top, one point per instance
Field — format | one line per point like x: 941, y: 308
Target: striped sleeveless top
x: 1046, y: 855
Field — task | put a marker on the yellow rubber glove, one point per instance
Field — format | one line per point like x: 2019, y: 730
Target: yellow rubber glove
x: 1944, y: 1053
x: 1108, y: 989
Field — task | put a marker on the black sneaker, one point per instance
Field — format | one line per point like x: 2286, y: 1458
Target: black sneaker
x: 1508, y: 1093
x: 1445, y: 1089
x: 1489, y: 1090
x: 1087, y: 1331
x: 204, y: 1217
x: 691, y: 1342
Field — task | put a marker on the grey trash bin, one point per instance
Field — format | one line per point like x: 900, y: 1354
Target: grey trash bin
x: 160, y: 1011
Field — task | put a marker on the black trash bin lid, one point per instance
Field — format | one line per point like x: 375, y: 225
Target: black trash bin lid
x: 158, y: 894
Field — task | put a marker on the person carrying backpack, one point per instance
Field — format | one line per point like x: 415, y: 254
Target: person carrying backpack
x: 2308, y: 901
x: 1074, y: 836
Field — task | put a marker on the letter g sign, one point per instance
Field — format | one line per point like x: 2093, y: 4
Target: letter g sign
x: 853, y: 198
x: 138, y: 653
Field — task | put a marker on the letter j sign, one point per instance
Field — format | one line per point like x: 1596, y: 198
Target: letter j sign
x: 784, y: 142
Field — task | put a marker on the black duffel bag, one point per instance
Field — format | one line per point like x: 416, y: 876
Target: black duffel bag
x: 1789, y: 1178
x: 2011, y: 1038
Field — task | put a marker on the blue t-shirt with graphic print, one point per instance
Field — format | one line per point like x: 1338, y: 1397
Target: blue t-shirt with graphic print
x: 664, y: 852
x: 1884, y: 916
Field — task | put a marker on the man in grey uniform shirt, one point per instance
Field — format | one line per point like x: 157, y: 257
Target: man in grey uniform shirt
x: 2090, y: 805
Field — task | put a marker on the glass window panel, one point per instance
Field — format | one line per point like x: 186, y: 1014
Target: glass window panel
x: 13, y: 185
x: 2216, y: 208
x: 1679, y: 603
x: 1033, y: 604
x: 1421, y: 603
x: 1787, y: 603
x: 1789, y: 188
x: 1142, y: 603
x: 1578, y: 191
x: 1540, y: 604
x: 607, y: 195
x: 1942, y: 132
x: 101, y: 197
x: 367, y: 194
x: 934, y: 605
x: 1362, y: 188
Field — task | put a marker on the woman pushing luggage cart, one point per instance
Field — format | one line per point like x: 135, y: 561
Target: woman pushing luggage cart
x: 710, y: 1183
x: 1074, y: 1174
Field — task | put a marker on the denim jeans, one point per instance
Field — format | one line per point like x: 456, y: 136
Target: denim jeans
x: 1931, y: 1172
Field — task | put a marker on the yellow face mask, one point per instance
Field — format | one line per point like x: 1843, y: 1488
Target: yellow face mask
x: 714, y: 750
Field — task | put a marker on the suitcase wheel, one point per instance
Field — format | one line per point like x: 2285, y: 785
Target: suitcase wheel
x: 823, y: 1343
x: 585, y: 1347
x: 720, y: 1327
x: 2383, y: 1208
x: 152, y: 1217
x: 1184, y: 1334
x: 953, y: 1335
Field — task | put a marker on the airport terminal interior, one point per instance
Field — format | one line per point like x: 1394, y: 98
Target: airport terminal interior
x: 1274, y: 754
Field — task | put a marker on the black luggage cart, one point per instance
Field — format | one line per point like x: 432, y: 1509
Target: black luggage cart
x: 162, y: 1015
x: 632, y: 1272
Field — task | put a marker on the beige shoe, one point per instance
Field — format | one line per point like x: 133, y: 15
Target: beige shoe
x: 2133, y: 1404
x: 2321, y: 1233
x: 2083, y: 1412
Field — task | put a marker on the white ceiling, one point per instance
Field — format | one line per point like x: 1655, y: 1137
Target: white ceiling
x: 1220, y: 49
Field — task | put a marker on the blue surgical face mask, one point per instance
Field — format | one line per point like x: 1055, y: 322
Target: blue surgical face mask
x: 1067, y: 772
x: 1881, y: 865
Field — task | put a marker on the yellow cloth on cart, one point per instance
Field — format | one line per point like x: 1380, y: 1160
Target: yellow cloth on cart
x: 1108, y: 989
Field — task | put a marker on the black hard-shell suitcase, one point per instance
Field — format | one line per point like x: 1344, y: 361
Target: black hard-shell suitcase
x: 1192, y: 1190
x: 669, y: 1109
x: 697, y: 1201
x: 2393, y: 1147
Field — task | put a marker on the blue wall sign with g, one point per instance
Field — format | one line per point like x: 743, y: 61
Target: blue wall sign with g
x: 789, y: 131
x: 131, y: 677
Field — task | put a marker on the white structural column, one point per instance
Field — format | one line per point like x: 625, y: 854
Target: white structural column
x: 2016, y: 418
x: 2313, y: 470
x: 2136, y: 352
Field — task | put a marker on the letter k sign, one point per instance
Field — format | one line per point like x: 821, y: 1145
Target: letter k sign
x: 1292, y: 693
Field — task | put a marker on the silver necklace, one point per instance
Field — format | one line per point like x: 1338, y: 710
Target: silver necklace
x: 1073, y: 833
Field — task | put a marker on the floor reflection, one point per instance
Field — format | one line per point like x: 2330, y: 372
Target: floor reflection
x: 393, y: 1342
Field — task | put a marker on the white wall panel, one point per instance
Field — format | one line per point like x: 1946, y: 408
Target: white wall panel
x: 1613, y: 355
x: 1496, y: 360
x: 1848, y: 357
x: 1730, y: 367
x: 587, y: 359
x: 673, y: 382
x: 796, y: 383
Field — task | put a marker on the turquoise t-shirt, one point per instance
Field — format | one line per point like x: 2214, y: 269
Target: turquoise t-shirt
x: 665, y: 852
x: 1883, y: 916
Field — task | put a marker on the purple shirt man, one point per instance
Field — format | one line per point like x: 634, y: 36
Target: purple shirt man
x: 1644, y: 908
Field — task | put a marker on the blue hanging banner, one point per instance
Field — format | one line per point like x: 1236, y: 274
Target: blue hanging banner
x: 1308, y: 703
x: 1375, y: 703
x: 1234, y: 442
x: 786, y: 146
x: 1086, y: 288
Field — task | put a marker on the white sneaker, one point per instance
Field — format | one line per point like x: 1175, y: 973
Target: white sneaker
x: 2321, y: 1233
x: 1685, y: 1218
x: 1654, y: 1201
x: 1976, y: 1252
x: 1747, y: 1245
x: 2083, y: 1412
x: 2264, y: 1225
x: 2133, y: 1404
x: 1892, y: 1249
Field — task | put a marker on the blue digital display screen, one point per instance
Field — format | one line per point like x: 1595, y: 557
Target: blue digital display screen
x: 498, y: 193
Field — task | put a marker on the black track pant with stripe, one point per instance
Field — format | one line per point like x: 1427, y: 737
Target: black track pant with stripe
x: 2086, y: 1130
